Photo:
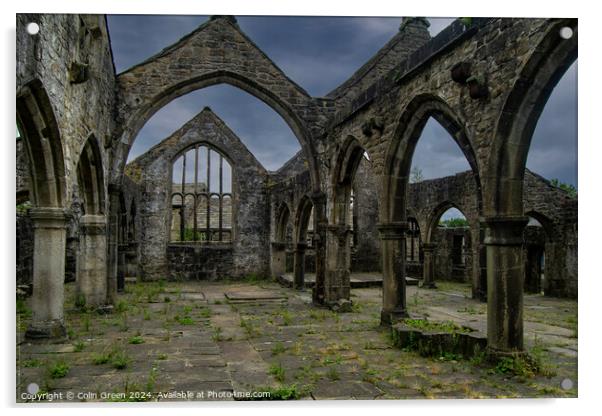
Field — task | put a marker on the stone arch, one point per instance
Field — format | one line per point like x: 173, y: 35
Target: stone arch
x: 190, y: 64
x: 43, y: 145
x: 436, y: 213
x: 549, y: 61
x: 401, y: 150
x: 346, y: 164
x: 138, y: 119
x: 282, y: 218
x: 546, y: 223
x: 302, y: 216
x: 280, y: 245
x: 90, y: 177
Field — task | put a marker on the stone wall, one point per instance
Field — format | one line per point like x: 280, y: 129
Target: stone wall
x: 248, y: 253
x: 82, y: 106
x: 450, y: 262
x: 365, y: 253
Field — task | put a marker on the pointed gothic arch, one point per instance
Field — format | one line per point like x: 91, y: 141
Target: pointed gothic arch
x: 43, y: 145
x: 190, y: 64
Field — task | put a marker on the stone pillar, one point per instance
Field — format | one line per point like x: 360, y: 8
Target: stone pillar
x: 338, y: 266
x: 505, y: 281
x: 278, y: 259
x: 92, y: 263
x: 320, y: 225
x: 121, y: 266
x: 48, y: 274
x: 113, y: 243
x: 392, y: 236
x: 299, y: 266
x: 480, y: 286
x: 428, y: 269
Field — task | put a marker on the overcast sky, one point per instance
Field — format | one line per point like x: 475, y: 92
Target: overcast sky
x: 319, y: 53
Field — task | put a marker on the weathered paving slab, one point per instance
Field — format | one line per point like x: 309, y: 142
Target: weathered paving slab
x: 246, y: 347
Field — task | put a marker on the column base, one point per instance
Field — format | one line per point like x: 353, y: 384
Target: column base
x: 388, y: 318
x: 428, y: 285
x: 341, y: 305
x: 494, y: 355
x: 50, y: 332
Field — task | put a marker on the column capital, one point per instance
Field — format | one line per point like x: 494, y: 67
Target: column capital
x: 93, y: 224
x: 339, y: 228
x: 429, y: 247
x: 504, y: 230
x: 278, y: 245
x: 49, y: 217
x: 392, y: 230
x: 300, y: 247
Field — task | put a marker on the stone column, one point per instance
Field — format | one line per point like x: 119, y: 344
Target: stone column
x: 505, y: 281
x: 48, y: 274
x: 121, y: 266
x: 92, y: 264
x: 428, y: 268
x: 299, y: 266
x: 392, y: 236
x: 113, y: 243
x: 319, y: 290
x: 278, y: 259
x: 480, y: 287
x: 338, y: 266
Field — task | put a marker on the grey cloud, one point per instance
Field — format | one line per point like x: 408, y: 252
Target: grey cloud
x: 319, y: 53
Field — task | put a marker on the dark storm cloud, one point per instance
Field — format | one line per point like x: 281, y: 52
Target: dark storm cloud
x: 319, y: 53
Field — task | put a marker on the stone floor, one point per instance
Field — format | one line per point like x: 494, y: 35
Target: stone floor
x: 211, y: 339
x: 356, y: 280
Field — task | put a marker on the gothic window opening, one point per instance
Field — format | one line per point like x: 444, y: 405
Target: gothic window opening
x: 201, y: 196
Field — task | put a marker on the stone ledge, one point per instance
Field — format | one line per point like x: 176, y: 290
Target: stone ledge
x: 431, y: 343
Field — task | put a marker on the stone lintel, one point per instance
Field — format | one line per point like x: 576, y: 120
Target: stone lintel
x: 505, y: 230
x: 393, y: 230
x: 49, y: 217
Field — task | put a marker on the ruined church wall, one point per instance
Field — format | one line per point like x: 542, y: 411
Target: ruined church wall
x: 248, y: 253
x: 81, y: 108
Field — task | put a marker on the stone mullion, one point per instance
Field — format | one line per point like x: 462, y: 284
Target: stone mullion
x: 208, y: 232
x: 195, y: 201
x: 221, y: 195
